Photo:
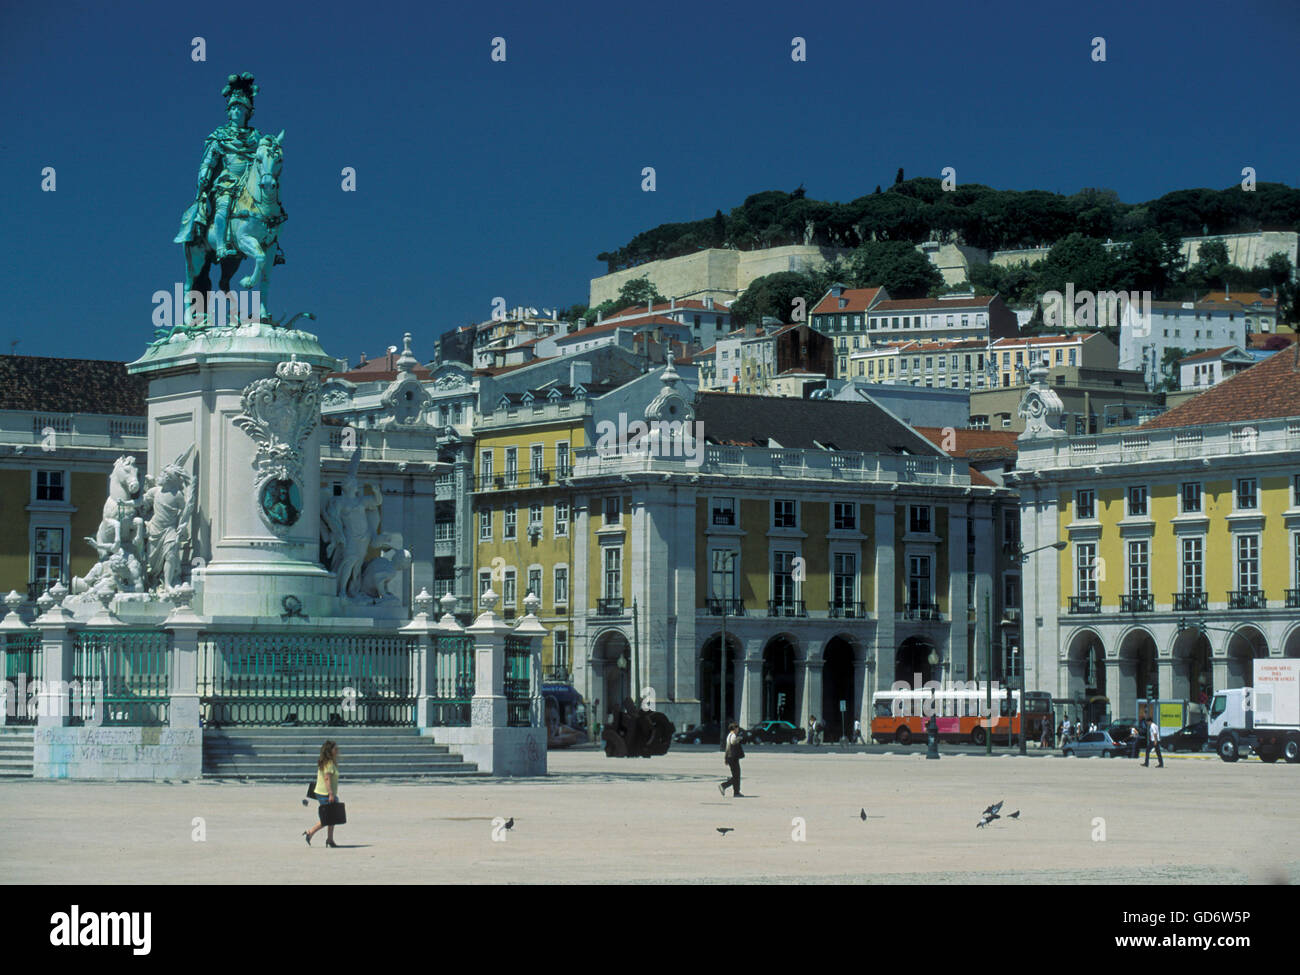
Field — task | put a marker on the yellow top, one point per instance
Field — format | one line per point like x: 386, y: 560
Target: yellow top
x: 322, y: 778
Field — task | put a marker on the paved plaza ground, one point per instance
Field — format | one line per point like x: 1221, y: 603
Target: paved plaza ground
x: 599, y: 820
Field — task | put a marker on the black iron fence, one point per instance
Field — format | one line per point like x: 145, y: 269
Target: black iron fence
x: 120, y: 677
x: 518, y: 682
x: 22, y: 672
x: 278, y: 679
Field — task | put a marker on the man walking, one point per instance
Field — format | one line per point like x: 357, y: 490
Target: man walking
x: 1153, y: 738
x: 734, y: 753
x: 857, y: 732
x: 812, y: 729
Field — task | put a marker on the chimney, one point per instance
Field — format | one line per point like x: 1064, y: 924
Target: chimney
x: 649, y: 305
x: 672, y: 304
x: 582, y: 323
x: 580, y: 373
x: 363, y: 359
x: 750, y: 330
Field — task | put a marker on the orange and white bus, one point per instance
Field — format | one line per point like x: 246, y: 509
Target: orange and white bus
x: 959, y: 710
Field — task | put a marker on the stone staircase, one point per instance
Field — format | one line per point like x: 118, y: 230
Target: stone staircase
x: 16, y: 744
x: 289, y: 754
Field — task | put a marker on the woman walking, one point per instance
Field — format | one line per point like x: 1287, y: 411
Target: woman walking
x: 734, y: 753
x: 327, y: 786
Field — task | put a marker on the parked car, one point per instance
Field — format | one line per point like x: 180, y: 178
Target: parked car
x: 1121, y: 732
x: 776, y: 732
x: 1094, y: 743
x: 1191, y: 738
x: 701, y: 734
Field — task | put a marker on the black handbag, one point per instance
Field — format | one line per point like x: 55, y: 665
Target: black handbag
x: 311, y: 790
x: 333, y: 813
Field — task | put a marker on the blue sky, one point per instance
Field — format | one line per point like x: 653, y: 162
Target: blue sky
x: 478, y: 179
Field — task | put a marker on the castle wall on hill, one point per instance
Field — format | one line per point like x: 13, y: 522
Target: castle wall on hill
x: 714, y: 273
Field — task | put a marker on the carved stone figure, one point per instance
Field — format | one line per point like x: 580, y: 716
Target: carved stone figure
x: 168, y: 504
x: 142, y: 540
x: 1041, y: 406
x: 280, y: 414
x: 383, y: 568
x: 236, y: 212
x: 116, y: 525
x: 349, y: 529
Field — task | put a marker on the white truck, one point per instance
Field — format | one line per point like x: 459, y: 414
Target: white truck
x: 1264, y: 717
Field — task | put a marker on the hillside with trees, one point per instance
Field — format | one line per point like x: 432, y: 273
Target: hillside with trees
x: 919, y: 210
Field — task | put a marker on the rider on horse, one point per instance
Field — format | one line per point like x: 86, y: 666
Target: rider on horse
x: 227, y: 155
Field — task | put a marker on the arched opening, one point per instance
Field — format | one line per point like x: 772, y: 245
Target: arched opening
x: 838, y: 685
x: 1085, y: 665
x: 778, y: 680
x: 1246, y: 644
x: 611, y: 674
x: 912, y: 658
x: 1193, y: 674
x: 1291, y: 645
x: 718, y: 689
x: 1139, y: 675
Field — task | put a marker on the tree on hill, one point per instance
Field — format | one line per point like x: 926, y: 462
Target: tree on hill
x: 897, y: 266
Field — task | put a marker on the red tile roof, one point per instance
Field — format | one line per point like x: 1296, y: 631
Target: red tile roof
x: 605, y: 327
x: 38, y: 383
x: 1265, y: 391
x: 1015, y: 340
x: 693, y: 304
x: 1243, y: 298
x: 985, y: 443
x: 1207, y: 354
x: 981, y: 480
x: 857, y: 299
x: 933, y: 304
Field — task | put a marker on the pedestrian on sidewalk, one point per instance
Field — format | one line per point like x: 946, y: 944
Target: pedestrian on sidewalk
x: 812, y: 729
x: 327, y: 787
x: 1153, y: 739
x: 1049, y: 735
x: 734, y: 753
x: 857, y: 732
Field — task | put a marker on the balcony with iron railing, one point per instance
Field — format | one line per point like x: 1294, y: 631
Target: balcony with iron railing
x: 921, y: 611
x: 1136, y: 603
x: 1247, y: 599
x: 519, y: 480
x: 1085, y: 604
x: 1191, y: 601
x: 796, y: 608
x: 1293, y: 599
x: 609, y: 607
x: 725, y: 606
x: 847, y: 610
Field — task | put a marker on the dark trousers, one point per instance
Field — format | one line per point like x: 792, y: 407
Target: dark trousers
x: 1159, y: 758
x: 734, y: 781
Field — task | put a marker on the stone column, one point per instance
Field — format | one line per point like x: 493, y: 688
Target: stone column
x: 421, y: 628
x: 751, y: 700
x: 530, y: 628
x: 488, y: 709
x: 184, y: 625
x: 11, y: 625
x: 812, y: 696
x: 56, y: 663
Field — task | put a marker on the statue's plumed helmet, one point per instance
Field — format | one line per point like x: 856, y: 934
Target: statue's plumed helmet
x: 240, y: 90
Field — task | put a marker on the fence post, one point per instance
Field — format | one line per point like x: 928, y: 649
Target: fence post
x: 488, y: 708
x: 419, y: 628
x: 531, y: 629
x: 56, y: 664
x: 11, y: 625
x: 184, y: 625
